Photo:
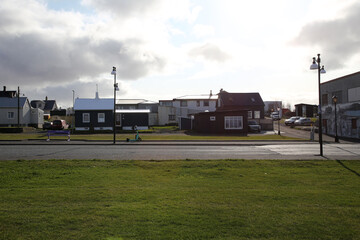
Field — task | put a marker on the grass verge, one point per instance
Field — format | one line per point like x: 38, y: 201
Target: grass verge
x: 179, y: 199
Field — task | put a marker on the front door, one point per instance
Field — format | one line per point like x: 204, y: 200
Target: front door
x: 118, y: 119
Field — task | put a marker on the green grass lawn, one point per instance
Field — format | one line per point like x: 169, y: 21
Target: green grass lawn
x: 93, y: 199
x: 144, y: 136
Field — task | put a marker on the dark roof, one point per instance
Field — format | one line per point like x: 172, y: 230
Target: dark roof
x: 12, y: 102
x: 50, y: 105
x: 9, y: 94
x: 240, y: 99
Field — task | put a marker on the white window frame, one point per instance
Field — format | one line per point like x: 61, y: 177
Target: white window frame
x: 233, y: 122
x: 101, y: 117
x: 11, y: 115
x: 84, y: 116
x: 172, y: 117
x: 257, y: 114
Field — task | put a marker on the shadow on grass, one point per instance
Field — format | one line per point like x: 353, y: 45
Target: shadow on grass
x: 344, y: 166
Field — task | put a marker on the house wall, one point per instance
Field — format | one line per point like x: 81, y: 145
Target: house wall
x: 94, y: 124
x: 347, y: 90
x: 37, y: 117
x: 214, y: 122
x: 192, y: 104
x: 163, y: 115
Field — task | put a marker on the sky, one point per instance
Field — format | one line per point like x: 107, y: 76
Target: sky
x: 164, y: 49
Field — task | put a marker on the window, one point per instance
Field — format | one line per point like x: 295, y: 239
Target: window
x: 86, y: 117
x: 206, y: 103
x: 234, y: 122
x: 256, y: 114
x: 183, y: 103
x: 101, y: 117
x: 11, y: 115
x: 171, y: 117
x: 354, y: 94
x: 250, y: 114
x: 198, y: 103
x: 212, y: 118
x: 354, y: 123
x: 324, y: 100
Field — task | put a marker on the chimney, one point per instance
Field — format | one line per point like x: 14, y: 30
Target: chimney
x: 210, y: 93
x: 46, y: 98
x: 4, y: 88
x: 97, y: 92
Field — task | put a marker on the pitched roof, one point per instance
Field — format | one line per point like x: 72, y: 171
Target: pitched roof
x: 12, y: 102
x: 134, y: 101
x: 94, y: 104
x: 241, y: 99
x: 50, y: 105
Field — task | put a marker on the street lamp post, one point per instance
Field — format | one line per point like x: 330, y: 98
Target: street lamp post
x: 336, y: 135
x: 316, y: 66
x: 115, y: 88
x: 279, y: 120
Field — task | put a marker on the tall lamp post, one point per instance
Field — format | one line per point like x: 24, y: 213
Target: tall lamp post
x: 115, y: 88
x: 316, y: 66
x: 334, y: 98
x: 279, y: 120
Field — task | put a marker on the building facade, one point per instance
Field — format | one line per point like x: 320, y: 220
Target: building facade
x: 347, y: 91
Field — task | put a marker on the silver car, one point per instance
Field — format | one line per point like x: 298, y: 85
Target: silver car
x: 291, y: 121
x: 303, y: 122
x: 253, y: 126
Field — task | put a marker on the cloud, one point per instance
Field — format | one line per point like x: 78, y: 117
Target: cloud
x: 46, y: 49
x: 210, y: 52
x: 201, y: 30
x: 338, y: 39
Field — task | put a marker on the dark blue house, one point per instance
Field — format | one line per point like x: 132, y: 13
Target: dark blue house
x: 94, y: 114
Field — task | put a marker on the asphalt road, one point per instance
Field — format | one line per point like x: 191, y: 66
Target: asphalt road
x: 165, y: 151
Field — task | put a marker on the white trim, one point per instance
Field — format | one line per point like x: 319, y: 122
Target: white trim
x: 83, y: 118
x: 133, y: 111
x: 82, y: 128
x: 100, y: 119
x: 103, y: 128
x: 138, y: 128
x: 233, y: 122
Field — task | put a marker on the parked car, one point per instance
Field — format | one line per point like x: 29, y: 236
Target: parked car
x: 47, y: 125
x: 291, y: 121
x: 59, y: 125
x: 253, y: 126
x: 303, y: 122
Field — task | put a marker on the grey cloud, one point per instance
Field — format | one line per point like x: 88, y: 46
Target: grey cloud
x: 339, y: 39
x: 210, y: 52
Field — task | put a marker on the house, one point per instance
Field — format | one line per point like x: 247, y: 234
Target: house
x: 97, y: 115
x: 94, y: 114
x: 221, y: 122
x: 231, y: 115
x: 46, y: 105
x: 347, y: 91
x: 16, y: 111
x: 172, y: 111
x: 252, y: 102
x: 151, y: 113
x: 306, y: 110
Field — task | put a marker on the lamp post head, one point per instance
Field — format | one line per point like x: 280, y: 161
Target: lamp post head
x: 314, y: 65
x: 113, y: 71
x: 322, y: 70
x: 334, y: 98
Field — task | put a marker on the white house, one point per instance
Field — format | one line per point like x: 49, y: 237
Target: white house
x: 171, y: 111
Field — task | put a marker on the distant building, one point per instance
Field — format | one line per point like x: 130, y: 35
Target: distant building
x: 347, y: 91
x: 271, y: 106
x: 306, y: 110
x: 46, y: 105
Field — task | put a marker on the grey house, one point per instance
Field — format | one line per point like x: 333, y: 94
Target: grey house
x: 347, y: 91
